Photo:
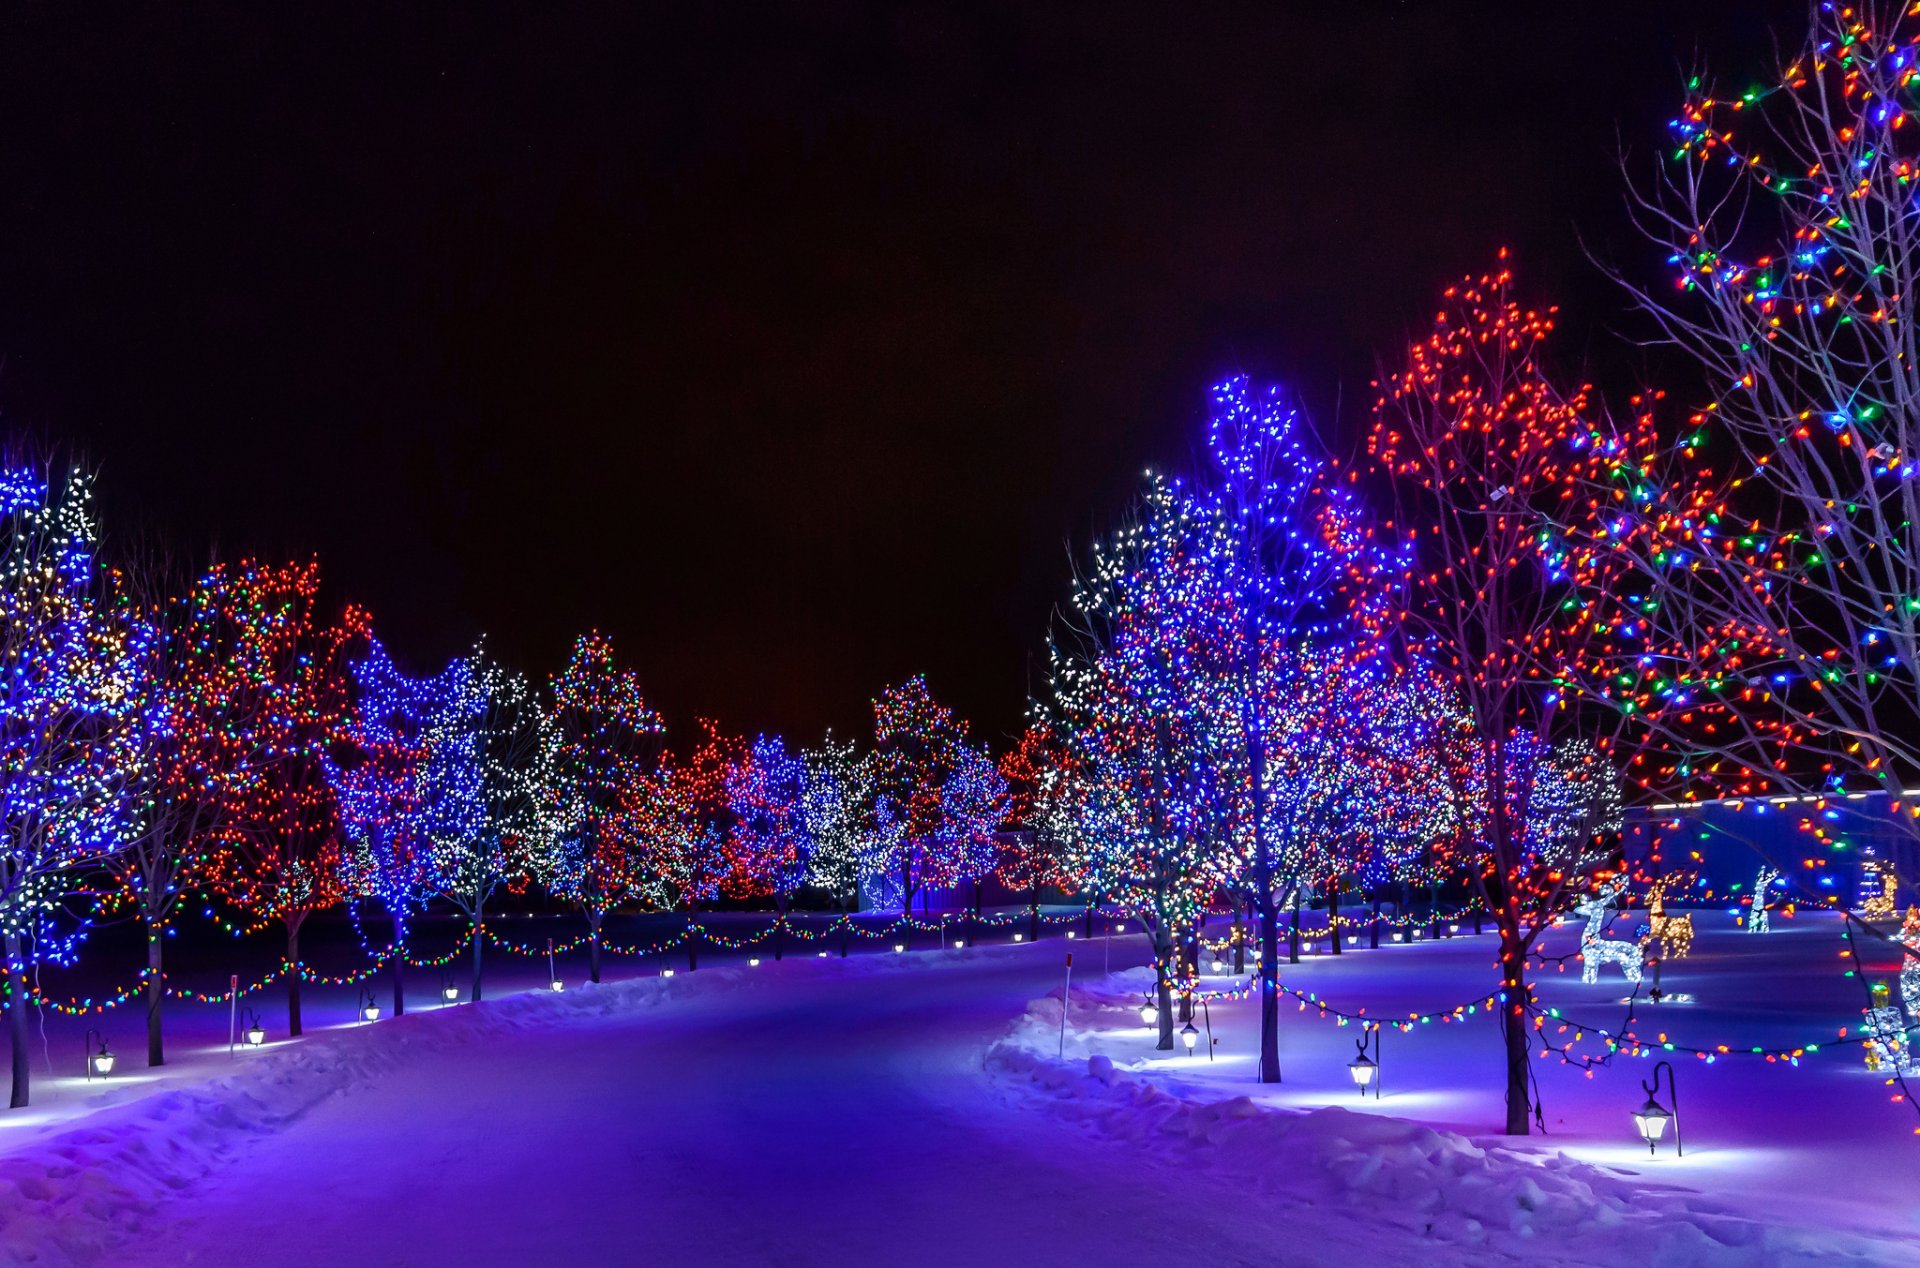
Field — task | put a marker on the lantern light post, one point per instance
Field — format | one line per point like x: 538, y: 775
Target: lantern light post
x: 101, y: 1062
x: 1651, y: 1119
x: 1366, y: 1069
x: 255, y: 1034
x: 369, y: 1011
x: 1190, y: 1036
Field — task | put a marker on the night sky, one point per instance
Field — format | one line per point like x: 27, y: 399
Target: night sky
x: 789, y: 345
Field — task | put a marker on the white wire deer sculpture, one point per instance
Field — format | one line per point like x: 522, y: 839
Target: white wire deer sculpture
x: 1596, y: 950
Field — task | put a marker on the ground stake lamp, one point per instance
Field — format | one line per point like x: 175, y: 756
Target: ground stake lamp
x: 369, y: 1011
x: 1190, y: 1036
x: 1651, y: 1119
x: 1366, y: 1069
x: 1149, y: 1012
x: 255, y: 1034
x: 101, y: 1062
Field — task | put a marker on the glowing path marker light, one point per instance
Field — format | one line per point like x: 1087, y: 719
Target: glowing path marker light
x: 101, y: 1062
x: 1149, y: 1012
x: 1651, y: 1119
x: 369, y: 1011
x: 1190, y: 1036
x: 1366, y: 1069
x: 255, y: 1034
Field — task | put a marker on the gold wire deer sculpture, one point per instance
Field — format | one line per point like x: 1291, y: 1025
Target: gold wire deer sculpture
x: 1673, y: 933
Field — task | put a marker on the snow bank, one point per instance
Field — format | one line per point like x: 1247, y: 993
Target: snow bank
x: 1461, y: 1199
x: 72, y: 1195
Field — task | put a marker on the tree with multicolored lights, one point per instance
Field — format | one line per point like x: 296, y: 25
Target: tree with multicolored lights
x: 768, y: 846
x: 929, y: 794
x: 281, y: 858
x: 196, y: 742
x: 1768, y: 635
x: 498, y: 719
x: 1484, y: 456
x: 1038, y: 854
x: 604, y: 738
x: 1142, y: 671
x: 72, y: 712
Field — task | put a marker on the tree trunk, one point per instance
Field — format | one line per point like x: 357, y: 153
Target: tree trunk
x: 1293, y: 930
x: 846, y: 931
x: 479, y: 936
x: 1373, y: 933
x: 399, y: 977
x: 18, y: 992
x: 1239, y: 938
x: 593, y: 951
x: 1433, y: 911
x: 1333, y: 913
x: 1513, y: 1027
x: 1033, y: 914
x: 693, y: 943
x: 293, y: 979
x: 1192, y: 973
x: 156, y: 992
x: 1163, y: 962
x: 779, y: 933
x: 1089, y: 932
x: 1269, y: 988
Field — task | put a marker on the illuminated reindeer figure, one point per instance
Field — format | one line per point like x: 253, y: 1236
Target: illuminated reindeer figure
x: 1596, y: 950
x: 1673, y: 933
x: 1757, y: 919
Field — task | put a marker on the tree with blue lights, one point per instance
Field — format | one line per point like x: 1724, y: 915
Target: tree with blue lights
x: 73, y: 706
x: 1298, y: 564
x: 410, y: 776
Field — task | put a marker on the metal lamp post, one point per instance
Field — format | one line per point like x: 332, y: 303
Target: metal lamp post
x: 1651, y: 1119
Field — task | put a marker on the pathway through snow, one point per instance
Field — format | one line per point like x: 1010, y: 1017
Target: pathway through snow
x: 812, y: 1112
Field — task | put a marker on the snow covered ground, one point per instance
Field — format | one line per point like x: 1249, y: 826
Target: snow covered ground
x: 911, y: 1110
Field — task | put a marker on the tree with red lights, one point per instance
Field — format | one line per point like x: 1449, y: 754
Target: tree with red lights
x: 1484, y: 455
x: 1039, y: 775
